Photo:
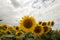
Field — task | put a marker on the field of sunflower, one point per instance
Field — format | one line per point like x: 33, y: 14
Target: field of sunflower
x: 29, y: 29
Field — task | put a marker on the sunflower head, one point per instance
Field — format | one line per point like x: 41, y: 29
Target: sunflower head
x: 4, y: 26
x: 8, y: 32
x: 16, y: 28
x: 44, y: 23
x: 50, y: 23
x: 46, y: 29
x: 27, y: 23
x: 2, y: 31
x: 18, y: 33
x: 38, y: 30
x: 40, y: 22
x: 58, y: 31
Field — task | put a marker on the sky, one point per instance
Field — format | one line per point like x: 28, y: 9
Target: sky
x: 12, y: 11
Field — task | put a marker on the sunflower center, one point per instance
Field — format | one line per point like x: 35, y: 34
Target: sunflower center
x: 18, y: 34
x: 17, y: 28
x: 0, y: 31
x: 48, y: 23
x: 44, y: 23
x: 28, y: 23
x: 5, y: 26
x: 40, y: 22
x: 37, y: 29
x: 52, y: 23
x: 8, y: 32
x: 45, y: 29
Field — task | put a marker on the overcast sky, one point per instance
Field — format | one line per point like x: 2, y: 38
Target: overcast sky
x: 11, y: 11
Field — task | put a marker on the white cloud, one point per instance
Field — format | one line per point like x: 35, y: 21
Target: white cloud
x: 11, y: 14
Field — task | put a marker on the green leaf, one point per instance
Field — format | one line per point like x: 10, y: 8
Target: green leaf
x: 7, y: 37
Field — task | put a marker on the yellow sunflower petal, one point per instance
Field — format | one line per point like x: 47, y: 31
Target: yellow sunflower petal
x: 38, y: 30
x: 27, y: 24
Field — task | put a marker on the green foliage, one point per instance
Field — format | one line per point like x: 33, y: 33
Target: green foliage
x: 52, y: 35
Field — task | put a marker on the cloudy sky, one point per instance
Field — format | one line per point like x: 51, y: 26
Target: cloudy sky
x: 11, y: 11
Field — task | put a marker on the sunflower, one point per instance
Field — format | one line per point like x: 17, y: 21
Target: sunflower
x: 40, y: 22
x: 27, y: 23
x: 8, y: 32
x: 2, y: 31
x: 38, y: 30
x: 44, y: 23
x: 5, y: 26
x: 46, y: 29
x: 51, y: 23
x: 18, y: 33
x: 16, y: 28
x: 58, y: 31
x: 48, y: 23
